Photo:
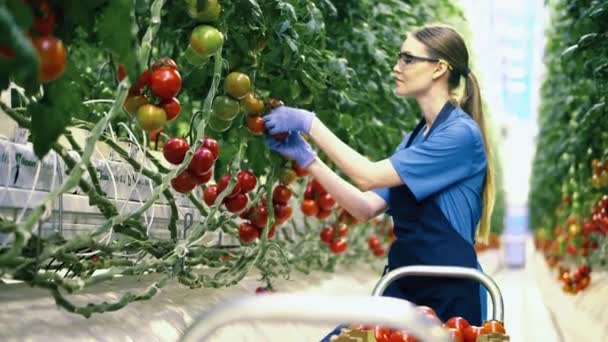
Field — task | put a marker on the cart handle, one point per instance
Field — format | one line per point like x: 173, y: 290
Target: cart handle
x: 391, y: 312
x: 446, y: 272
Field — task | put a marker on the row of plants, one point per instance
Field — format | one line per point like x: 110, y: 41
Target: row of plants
x: 569, y: 189
x: 187, y: 83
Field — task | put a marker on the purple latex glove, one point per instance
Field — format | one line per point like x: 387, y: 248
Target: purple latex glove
x: 294, y: 147
x: 284, y: 119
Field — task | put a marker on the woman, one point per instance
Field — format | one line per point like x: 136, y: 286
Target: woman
x: 438, y: 185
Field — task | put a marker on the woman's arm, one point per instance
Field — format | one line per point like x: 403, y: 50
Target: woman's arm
x: 362, y: 205
x: 365, y: 174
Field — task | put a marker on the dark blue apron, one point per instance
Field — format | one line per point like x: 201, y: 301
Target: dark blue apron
x: 426, y: 237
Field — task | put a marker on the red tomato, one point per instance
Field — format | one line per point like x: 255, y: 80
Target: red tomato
x: 141, y: 83
x: 342, y: 230
x: 383, y: 334
x: 457, y: 322
x: 323, y: 214
x: 223, y: 184
x: 210, y: 194
x: 184, y: 182
x: 255, y: 124
x: 378, y: 251
x: 427, y: 310
x: 282, y: 213
x: 326, y: 202
x: 373, y: 242
x: 281, y: 194
x: 584, y: 269
x: 121, y: 73
x: 455, y: 335
x: 317, y: 188
x: 175, y: 150
x: 248, y: 233
x: 165, y: 82
x: 53, y: 57
x: 247, y: 180
x: 201, y: 162
x: 308, y: 194
x: 272, y: 231
x: 237, y: 203
x: 212, y: 145
x: 338, y: 246
x: 204, y: 178
x: 300, y: 171
x: 492, y: 327
x: 471, y: 333
x: 44, y: 18
x: 309, y: 207
x: 165, y: 61
x: 259, y: 216
x: 172, y: 107
x: 327, y: 235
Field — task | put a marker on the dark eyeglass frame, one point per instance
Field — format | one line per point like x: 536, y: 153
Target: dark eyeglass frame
x: 409, y: 59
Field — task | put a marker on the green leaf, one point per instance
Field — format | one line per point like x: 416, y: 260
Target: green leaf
x: 256, y: 154
x: 115, y: 30
x: 62, y: 100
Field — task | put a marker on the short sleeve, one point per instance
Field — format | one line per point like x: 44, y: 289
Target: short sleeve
x: 444, y: 158
x: 382, y: 192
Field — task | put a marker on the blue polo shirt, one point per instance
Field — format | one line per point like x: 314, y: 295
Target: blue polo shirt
x: 450, y: 163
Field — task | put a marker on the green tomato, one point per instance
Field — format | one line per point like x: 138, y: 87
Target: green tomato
x: 219, y: 125
x: 194, y: 58
x: 208, y: 12
x: 206, y: 40
x: 151, y: 117
x: 225, y: 108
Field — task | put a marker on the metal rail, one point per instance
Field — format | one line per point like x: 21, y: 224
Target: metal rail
x: 391, y: 312
x: 446, y: 272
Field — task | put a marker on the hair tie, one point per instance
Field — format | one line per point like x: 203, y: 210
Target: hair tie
x: 466, y: 71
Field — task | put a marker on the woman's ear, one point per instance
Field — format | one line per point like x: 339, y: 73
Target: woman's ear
x: 440, y: 70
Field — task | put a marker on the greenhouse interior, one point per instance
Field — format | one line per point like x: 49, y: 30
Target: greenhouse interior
x: 304, y: 170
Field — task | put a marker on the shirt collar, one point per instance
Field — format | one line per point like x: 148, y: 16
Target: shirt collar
x: 441, y: 117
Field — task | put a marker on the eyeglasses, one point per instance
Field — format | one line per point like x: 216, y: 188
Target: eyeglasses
x: 410, y: 59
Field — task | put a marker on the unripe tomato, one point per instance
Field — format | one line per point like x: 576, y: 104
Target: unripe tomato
x: 133, y: 102
x: 151, y: 117
x: 255, y: 124
x: 281, y: 194
x: 247, y: 180
x: 194, y: 58
x: 165, y: 82
x: 53, y: 57
x: 210, y: 194
x: 248, y: 233
x: 206, y: 40
x: 222, y: 184
x: 237, y: 203
x: 175, y: 150
x: 201, y: 162
x: 225, y: 108
x: 287, y: 176
x: 184, y: 182
x: 237, y: 84
x: 338, y: 246
x: 212, y: 145
x: 207, y: 13
x: 219, y: 125
x: 172, y: 107
x: 252, y: 105
x: 309, y: 207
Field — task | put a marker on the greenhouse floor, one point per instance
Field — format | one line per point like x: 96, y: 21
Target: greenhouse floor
x: 31, y: 314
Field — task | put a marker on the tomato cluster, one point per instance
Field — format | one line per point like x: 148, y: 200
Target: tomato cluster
x: 333, y: 236
x: 227, y: 107
x: 458, y: 329
x: 236, y: 201
x: 317, y: 202
x: 375, y: 245
x: 162, y: 82
x: 52, y: 53
x: 200, y: 168
x: 576, y: 281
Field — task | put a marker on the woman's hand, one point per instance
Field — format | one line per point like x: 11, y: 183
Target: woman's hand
x: 294, y: 147
x: 285, y: 119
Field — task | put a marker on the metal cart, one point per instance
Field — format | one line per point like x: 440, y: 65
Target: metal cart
x: 375, y: 310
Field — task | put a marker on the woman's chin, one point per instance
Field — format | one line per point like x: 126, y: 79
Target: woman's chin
x: 399, y: 91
